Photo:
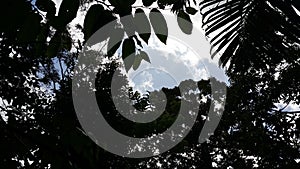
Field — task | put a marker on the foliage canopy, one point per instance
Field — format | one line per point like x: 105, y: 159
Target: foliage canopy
x: 258, y: 41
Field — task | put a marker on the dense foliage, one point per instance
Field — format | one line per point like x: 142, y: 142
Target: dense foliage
x: 258, y: 41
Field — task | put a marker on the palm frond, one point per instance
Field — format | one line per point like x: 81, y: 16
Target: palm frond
x: 232, y: 24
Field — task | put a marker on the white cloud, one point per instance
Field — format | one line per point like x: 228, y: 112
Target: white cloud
x: 177, y: 60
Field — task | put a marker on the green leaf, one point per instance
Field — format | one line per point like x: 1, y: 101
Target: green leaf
x: 191, y: 10
x: 137, y: 62
x: 129, y: 25
x: 148, y: 2
x: 159, y: 25
x: 115, y: 41
x: 184, y: 22
x: 128, y: 53
x: 142, y: 25
x: 144, y: 56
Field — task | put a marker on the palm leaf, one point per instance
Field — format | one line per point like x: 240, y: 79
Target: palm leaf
x: 232, y: 24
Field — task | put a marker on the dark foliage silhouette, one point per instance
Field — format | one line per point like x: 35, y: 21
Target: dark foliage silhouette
x: 258, y: 43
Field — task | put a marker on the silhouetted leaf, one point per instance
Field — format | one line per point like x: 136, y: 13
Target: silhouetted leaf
x: 95, y: 18
x: 184, y: 22
x: 144, y: 56
x: 219, y: 16
x: 116, y: 38
x: 128, y: 53
x: 46, y: 6
x: 142, y: 25
x: 159, y: 25
x: 191, y: 10
x: 161, y: 4
x: 148, y: 2
x: 92, y: 20
x: 129, y: 25
x: 137, y: 62
x: 123, y: 8
x: 119, y: 3
x: 68, y: 10
x: 113, y: 2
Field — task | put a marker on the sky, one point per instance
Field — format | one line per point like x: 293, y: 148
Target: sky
x: 170, y: 64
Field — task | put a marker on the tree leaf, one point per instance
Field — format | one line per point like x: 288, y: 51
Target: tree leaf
x: 159, y: 25
x: 46, y: 6
x: 143, y: 26
x: 128, y: 48
x: 91, y: 19
x: 191, y: 10
x: 113, y: 2
x: 148, y: 2
x: 137, y: 62
x: 144, y: 56
x: 95, y: 18
x: 128, y: 53
x: 68, y: 11
x: 122, y: 8
x: 115, y: 41
x: 228, y: 52
x: 129, y: 25
x: 161, y: 4
x: 184, y: 22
